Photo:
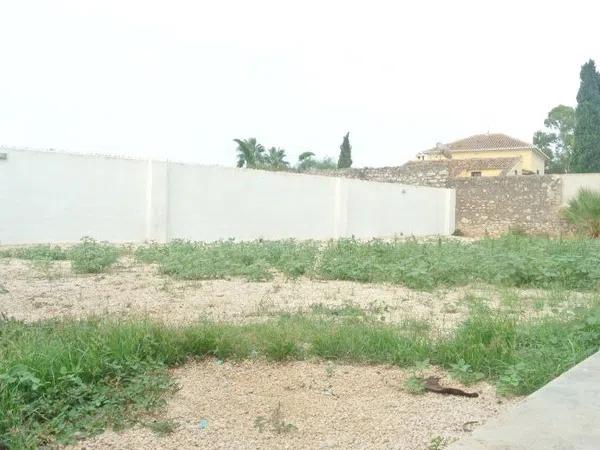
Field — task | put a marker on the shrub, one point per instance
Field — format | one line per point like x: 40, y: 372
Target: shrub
x: 584, y: 212
x: 90, y: 256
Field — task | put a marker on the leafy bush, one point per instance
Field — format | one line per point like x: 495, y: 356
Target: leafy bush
x: 90, y: 256
x: 584, y: 212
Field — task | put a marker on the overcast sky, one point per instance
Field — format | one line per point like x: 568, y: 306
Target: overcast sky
x: 180, y: 79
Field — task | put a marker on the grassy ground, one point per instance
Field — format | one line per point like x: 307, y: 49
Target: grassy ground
x: 60, y: 378
x: 63, y: 377
x: 510, y: 261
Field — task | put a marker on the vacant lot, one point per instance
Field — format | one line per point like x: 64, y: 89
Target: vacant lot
x: 284, y: 344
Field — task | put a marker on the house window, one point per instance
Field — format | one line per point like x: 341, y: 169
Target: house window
x: 475, y: 174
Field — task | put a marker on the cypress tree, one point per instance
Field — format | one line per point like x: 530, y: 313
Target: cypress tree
x: 345, y: 159
x: 586, y: 149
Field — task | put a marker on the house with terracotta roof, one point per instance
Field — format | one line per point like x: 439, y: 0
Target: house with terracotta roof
x: 488, y: 155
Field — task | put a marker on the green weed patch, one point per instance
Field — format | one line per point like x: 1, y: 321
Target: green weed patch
x: 62, y: 377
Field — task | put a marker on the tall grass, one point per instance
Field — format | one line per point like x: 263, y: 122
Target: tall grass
x: 57, y: 378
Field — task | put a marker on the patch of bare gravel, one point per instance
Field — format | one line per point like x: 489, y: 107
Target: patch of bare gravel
x: 36, y: 293
x: 32, y: 291
x: 323, y: 406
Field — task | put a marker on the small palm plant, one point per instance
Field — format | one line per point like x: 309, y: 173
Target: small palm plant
x: 275, y: 159
x: 584, y: 212
x: 249, y: 153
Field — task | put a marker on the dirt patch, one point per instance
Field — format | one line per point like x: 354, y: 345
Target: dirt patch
x: 37, y: 291
x: 40, y: 292
x: 301, y: 405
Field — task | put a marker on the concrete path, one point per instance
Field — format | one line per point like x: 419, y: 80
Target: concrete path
x: 564, y: 414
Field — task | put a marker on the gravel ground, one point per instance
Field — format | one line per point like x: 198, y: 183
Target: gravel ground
x: 327, y: 406
x: 323, y: 406
x: 41, y: 292
x: 33, y: 291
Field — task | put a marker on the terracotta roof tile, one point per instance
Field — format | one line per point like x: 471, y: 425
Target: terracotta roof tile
x: 484, y: 142
x: 488, y: 142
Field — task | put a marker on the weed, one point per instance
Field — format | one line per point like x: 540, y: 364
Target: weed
x: 260, y: 422
x: 415, y: 385
x: 58, y: 378
x: 276, y: 420
x: 511, y: 261
x: 36, y: 252
x: 437, y: 443
x: 346, y: 310
x: 464, y: 373
x: 46, y: 268
x: 329, y: 369
x: 90, y: 256
x: 254, y: 261
x: 162, y: 427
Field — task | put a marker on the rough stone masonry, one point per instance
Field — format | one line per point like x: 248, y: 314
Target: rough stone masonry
x: 484, y: 205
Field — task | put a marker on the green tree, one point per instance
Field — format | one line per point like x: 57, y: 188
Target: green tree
x: 275, y: 159
x: 556, y: 140
x: 250, y: 153
x: 307, y: 161
x: 345, y: 159
x: 586, y: 148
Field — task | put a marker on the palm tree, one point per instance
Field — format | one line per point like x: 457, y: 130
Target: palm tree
x: 584, y: 212
x: 307, y: 162
x: 249, y: 153
x: 275, y: 159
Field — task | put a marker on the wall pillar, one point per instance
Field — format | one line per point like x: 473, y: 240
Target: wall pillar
x: 340, y: 208
x: 157, y: 201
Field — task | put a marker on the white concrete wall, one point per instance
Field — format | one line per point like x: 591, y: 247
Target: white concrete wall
x: 384, y: 209
x: 60, y: 197
x: 572, y: 182
x: 211, y: 203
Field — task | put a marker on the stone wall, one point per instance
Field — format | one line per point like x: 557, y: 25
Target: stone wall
x: 484, y: 205
x: 495, y: 205
x: 420, y: 173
